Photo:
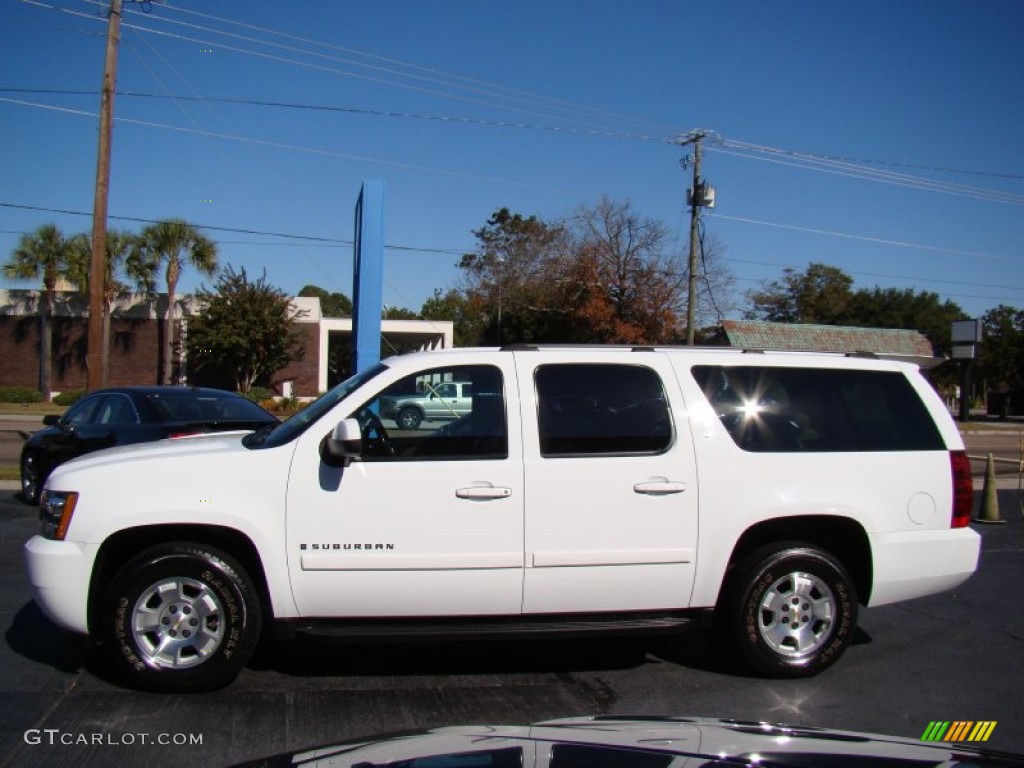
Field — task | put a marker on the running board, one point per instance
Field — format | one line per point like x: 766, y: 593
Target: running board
x: 488, y: 628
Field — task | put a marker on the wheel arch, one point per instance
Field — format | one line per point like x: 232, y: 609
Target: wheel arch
x: 844, y: 538
x: 122, y: 546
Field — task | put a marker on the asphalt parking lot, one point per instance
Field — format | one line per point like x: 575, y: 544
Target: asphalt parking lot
x: 956, y: 656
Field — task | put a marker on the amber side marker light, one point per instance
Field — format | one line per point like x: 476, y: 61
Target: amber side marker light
x: 56, y: 509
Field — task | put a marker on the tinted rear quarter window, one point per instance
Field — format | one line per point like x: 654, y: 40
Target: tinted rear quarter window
x: 773, y: 409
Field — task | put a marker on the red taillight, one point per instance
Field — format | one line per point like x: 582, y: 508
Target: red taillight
x: 184, y: 433
x: 963, y: 489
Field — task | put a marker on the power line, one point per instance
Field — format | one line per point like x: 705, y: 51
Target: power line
x: 809, y: 161
x: 297, y: 147
x: 891, y: 163
x: 868, y: 174
x: 786, y: 157
x: 865, y: 238
x: 476, y: 121
x: 909, y: 278
x: 307, y: 241
x: 434, y: 76
x: 330, y: 69
x: 312, y: 239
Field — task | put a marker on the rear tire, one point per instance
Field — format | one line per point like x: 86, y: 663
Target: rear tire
x: 180, y: 617
x: 791, y: 611
x: 409, y: 418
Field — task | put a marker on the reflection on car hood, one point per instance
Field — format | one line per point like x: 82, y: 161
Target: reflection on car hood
x: 642, y: 742
x: 207, y: 442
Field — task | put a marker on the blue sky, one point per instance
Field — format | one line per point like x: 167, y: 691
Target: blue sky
x: 883, y: 138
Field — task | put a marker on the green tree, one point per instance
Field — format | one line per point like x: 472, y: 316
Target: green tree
x: 171, y: 245
x: 331, y: 304
x: 1001, y: 363
x: 43, y: 254
x: 922, y: 311
x: 244, y: 332
x: 820, y: 294
x: 467, y: 315
x: 399, y: 313
x: 123, y: 273
x: 509, y: 277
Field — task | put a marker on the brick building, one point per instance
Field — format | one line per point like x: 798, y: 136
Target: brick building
x: 136, y: 341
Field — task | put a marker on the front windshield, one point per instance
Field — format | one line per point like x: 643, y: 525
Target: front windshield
x: 279, y: 434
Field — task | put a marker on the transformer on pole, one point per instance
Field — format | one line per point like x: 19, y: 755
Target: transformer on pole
x: 700, y: 195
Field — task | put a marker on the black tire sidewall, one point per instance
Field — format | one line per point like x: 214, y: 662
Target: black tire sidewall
x: 764, y: 568
x: 38, y: 480
x: 410, y: 414
x: 213, y: 568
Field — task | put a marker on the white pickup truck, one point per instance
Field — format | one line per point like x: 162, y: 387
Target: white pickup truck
x: 585, y: 490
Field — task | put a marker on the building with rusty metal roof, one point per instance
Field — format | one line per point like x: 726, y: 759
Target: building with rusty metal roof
x: 884, y: 342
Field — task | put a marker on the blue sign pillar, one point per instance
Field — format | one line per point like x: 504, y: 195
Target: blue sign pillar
x: 368, y: 275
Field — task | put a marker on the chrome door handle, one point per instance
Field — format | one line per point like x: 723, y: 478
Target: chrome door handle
x: 659, y: 487
x: 483, y: 493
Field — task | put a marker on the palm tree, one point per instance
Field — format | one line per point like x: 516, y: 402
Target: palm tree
x: 171, y: 244
x: 44, y: 253
x: 123, y: 272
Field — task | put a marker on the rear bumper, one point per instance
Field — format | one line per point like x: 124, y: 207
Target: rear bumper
x: 910, y: 564
x: 60, y: 572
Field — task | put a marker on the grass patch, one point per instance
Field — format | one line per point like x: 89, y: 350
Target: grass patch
x: 9, y: 472
x: 30, y: 409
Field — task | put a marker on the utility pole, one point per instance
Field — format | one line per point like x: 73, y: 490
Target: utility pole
x: 701, y: 196
x: 96, y: 354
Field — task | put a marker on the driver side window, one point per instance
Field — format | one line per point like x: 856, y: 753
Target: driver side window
x: 82, y: 412
x: 453, y: 413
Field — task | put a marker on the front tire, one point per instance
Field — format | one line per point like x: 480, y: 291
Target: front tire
x: 32, y: 478
x: 180, y: 617
x: 792, y: 611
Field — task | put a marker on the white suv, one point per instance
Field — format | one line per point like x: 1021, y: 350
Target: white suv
x: 585, y: 490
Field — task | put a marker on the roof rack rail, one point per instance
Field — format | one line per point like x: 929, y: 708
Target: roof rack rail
x: 519, y: 347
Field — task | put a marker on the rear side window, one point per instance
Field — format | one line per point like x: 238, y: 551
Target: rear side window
x: 588, y: 409
x: 773, y: 410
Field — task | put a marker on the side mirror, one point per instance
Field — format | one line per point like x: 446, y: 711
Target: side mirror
x: 50, y: 419
x: 344, y: 443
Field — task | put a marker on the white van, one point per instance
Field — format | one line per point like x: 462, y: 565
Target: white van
x: 588, y: 489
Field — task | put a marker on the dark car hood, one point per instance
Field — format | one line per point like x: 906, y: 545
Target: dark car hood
x: 642, y: 742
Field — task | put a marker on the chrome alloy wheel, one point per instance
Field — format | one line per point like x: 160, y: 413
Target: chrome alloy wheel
x: 178, y: 623
x: 796, y: 614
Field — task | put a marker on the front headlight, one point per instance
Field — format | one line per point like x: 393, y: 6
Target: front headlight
x: 55, y: 511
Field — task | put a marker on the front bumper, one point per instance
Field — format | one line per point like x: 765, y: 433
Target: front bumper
x: 60, y: 573
x: 910, y: 564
